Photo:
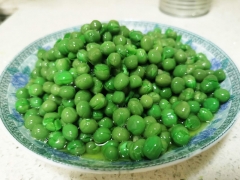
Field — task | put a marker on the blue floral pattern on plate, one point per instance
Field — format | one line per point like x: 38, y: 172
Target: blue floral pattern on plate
x: 17, y: 74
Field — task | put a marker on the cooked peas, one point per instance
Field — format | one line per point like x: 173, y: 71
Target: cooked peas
x: 110, y: 90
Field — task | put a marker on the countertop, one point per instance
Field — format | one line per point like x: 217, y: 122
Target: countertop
x: 35, y: 19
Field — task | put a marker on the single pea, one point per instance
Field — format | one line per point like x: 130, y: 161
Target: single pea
x: 136, y: 150
x: 154, y: 56
x: 136, y: 125
x: 152, y: 147
x: 164, y: 104
x: 169, y: 118
x: 194, y: 106
x: 76, y: 147
x: 182, y: 109
x: 114, y: 60
x: 35, y: 90
x: 168, y: 52
x: 94, y: 56
x: 92, y: 148
x: 166, y: 93
x: 85, y: 137
x: 57, y: 140
x: 66, y: 92
x: 84, y: 81
x: 118, y: 97
x: 85, y: 28
x: 49, y: 106
x: 173, y: 99
x: 109, y: 85
x: 135, y: 106
x: 102, y: 72
x: 211, y: 104
x: 119, y: 39
x: 199, y: 74
x: 146, y: 101
x: 22, y: 93
x: 97, y: 86
x: 120, y: 116
x: 68, y: 102
x: 39, y: 80
x: 31, y: 112
x: 62, y: 46
x: 63, y: 64
x: 154, y: 111
x: 131, y: 62
x: 203, y: 64
x: 120, y: 81
x: 209, y: 84
x: 110, y: 143
x: 35, y: 102
x: 88, y: 126
x: 97, y: 115
x: 69, y: 115
x: 140, y: 71
x: 121, y: 50
x: 39, y: 132
x: 82, y: 95
x: 98, y: 101
x: 187, y: 94
x: 82, y: 68
x: 199, y: 96
x: 180, y: 56
x: 47, y: 86
x: 110, y: 108
x: 168, y: 64
x: 190, y: 81
x: 151, y: 71
x: 31, y: 121
x: 120, y: 134
x: 171, y: 33
x: 22, y: 105
x: 113, y: 26
x: 107, y: 47
x: 63, y: 78
x: 152, y: 129
x: 177, y: 85
x: 52, y: 124
x: 107, y: 36
x: 163, y: 80
x: 155, y: 97
x: 82, y: 56
x: 102, y: 135
x: 141, y: 56
x: 92, y: 36
x: 180, y: 135
x: 106, y: 122
x: 165, y: 135
x: 220, y: 74
x: 146, y: 43
x: 70, y: 132
x: 84, y: 110
x: 149, y: 120
x: 180, y: 70
x: 95, y: 24
x: 123, y: 149
x: 192, y: 123
x: 146, y: 87
x: 222, y: 95
x: 205, y: 115
x: 135, y: 81
x: 111, y: 153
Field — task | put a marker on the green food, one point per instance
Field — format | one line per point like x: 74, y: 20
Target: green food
x: 120, y: 93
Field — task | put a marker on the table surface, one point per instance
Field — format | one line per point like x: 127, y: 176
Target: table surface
x: 37, y: 18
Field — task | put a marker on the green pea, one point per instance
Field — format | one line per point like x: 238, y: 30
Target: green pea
x: 152, y: 147
x: 163, y: 80
x: 194, y: 106
x: 199, y: 74
x: 114, y: 60
x: 35, y: 90
x: 31, y: 121
x: 92, y: 36
x: 192, y: 123
x: 154, y: 111
x: 69, y: 115
x: 154, y: 56
x: 107, y: 47
x: 180, y: 56
x: 85, y: 137
x: 120, y: 134
x: 222, y: 95
x: 149, y: 120
x: 220, y: 74
x: 166, y: 93
x: 211, y: 104
x: 182, y: 109
x: 123, y: 149
x: 97, y: 115
x: 140, y: 71
x: 110, y: 108
x: 169, y: 118
x: 113, y: 26
x: 151, y: 71
x: 84, y: 109
x: 141, y: 56
x: 111, y: 153
x: 57, y: 140
x: 169, y: 64
x: 146, y: 101
x: 102, y: 72
x: 98, y: 101
x: 165, y: 135
x: 31, y: 112
x: 187, y: 94
x: 94, y: 56
x: 22, y: 93
x: 190, y: 81
x: 168, y: 52
x: 146, y: 43
x: 209, y: 84
x: 121, y: 50
x: 164, y: 104
x: 155, y: 97
x: 180, y: 135
x: 82, y: 95
x: 55, y: 99
x: 62, y: 46
x: 84, y: 81
x: 131, y: 62
x: 49, y: 106
x: 92, y: 148
x: 39, y: 80
x: 119, y: 39
x: 70, y: 132
x: 52, y: 124
x: 146, y: 87
x: 68, y: 103
x: 102, y: 135
x: 88, y: 126
x: 82, y: 56
x: 205, y: 115
x: 180, y: 70
x: 63, y: 78
x: 120, y: 81
x: 106, y: 122
x: 136, y: 124
x: 136, y: 150
x: 66, y: 92
x: 22, y: 105
x: 82, y: 68
x: 120, y: 116
x: 135, y: 81
x: 118, y: 97
x: 39, y: 132
x: 177, y: 85
x: 63, y: 64
x: 76, y: 147
x: 199, y: 96
x: 152, y: 129
x: 135, y: 106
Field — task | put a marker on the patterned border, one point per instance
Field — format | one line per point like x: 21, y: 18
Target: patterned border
x: 211, y: 135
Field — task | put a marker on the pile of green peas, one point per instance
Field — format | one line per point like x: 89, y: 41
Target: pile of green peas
x: 109, y: 90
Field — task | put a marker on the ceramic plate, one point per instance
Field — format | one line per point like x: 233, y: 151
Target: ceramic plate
x: 16, y: 75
